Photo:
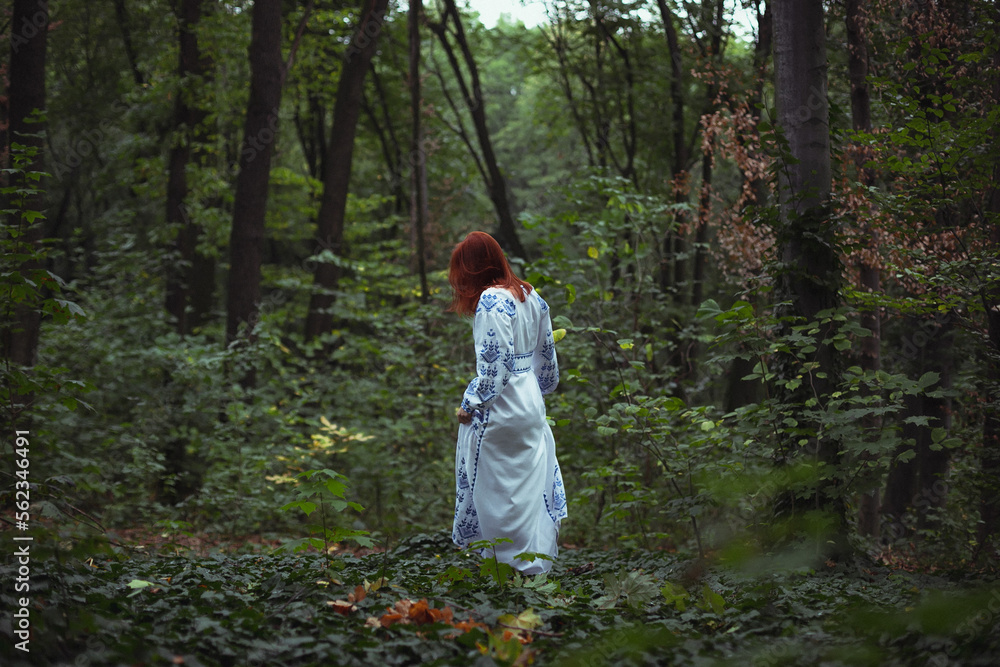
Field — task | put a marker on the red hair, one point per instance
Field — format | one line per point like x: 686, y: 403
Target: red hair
x: 478, y: 263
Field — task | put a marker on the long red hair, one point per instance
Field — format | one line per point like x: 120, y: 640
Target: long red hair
x: 478, y: 263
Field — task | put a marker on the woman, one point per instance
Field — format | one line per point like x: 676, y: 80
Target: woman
x: 507, y: 477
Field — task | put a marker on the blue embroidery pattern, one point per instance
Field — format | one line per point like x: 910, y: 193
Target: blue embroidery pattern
x: 548, y: 378
x: 549, y: 346
x: 547, y: 371
x: 466, y: 525
x: 486, y: 302
x: 484, y: 387
x: 522, y: 363
x: 508, y: 358
x: 556, y: 507
x: 489, y: 300
x: 509, y: 308
x: 491, y: 348
x: 559, y: 494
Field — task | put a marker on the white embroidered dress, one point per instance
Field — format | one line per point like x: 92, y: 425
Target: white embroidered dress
x: 508, y: 482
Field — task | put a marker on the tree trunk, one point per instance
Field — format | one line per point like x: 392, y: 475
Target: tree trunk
x: 761, y: 54
x: 870, y: 275
x: 472, y: 92
x: 339, y: 155
x: 701, y: 231
x: 738, y: 391
x: 420, y: 212
x: 716, y: 10
x: 561, y: 49
x: 121, y: 14
x: 191, y: 280
x: 673, y: 242
x: 392, y: 150
x: 810, y: 270
x: 246, y: 241
x: 989, y: 506
x: 917, y: 483
x: 28, y: 42
x: 807, y: 253
x: 310, y: 126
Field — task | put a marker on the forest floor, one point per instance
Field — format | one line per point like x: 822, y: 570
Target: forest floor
x: 195, y: 600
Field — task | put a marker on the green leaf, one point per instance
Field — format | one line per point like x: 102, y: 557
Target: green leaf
x: 304, y: 505
x: 712, y: 601
x: 138, y: 585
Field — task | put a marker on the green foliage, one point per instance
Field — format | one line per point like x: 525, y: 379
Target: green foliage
x: 635, y: 588
x: 287, y: 610
x: 324, y: 490
x: 27, y: 286
x: 860, y: 418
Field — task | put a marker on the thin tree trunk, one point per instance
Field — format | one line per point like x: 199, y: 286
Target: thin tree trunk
x: 917, y: 483
x: 933, y: 492
x: 310, y: 127
x: 472, y: 92
x: 870, y: 275
x: 191, y: 280
x: 707, y: 158
x: 673, y: 242
x: 626, y: 165
x: 339, y: 155
x: 761, y: 54
x: 246, y: 241
x: 701, y: 233
x: 418, y: 157
x: 556, y: 40
x: 740, y: 392
x: 121, y: 14
x: 28, y: 42
x: 392, y: 150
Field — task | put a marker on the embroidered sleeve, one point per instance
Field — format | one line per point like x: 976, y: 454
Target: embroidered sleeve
x: 493, y: 331
x: 545, y: 364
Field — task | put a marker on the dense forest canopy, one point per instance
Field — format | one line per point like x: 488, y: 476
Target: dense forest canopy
x: 767, y: 231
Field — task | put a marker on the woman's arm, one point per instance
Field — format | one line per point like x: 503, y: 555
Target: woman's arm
x: 544, y: 363
x: 493, y: 332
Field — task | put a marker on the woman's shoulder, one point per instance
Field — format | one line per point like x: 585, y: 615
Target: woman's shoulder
x: 497, y: 300
x: 541, y: 302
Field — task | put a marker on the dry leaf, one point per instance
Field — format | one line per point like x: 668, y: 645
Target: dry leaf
x: 341, y: 606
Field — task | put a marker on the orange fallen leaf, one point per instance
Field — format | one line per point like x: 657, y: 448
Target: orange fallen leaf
x: 390, y: 618
x: 358, y: 595
x: 419, y: 613
x: 341, y: 606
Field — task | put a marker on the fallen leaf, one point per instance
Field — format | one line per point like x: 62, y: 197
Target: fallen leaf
x: 390, y: 618
x: 358, y: 595
x: 341, y: 606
